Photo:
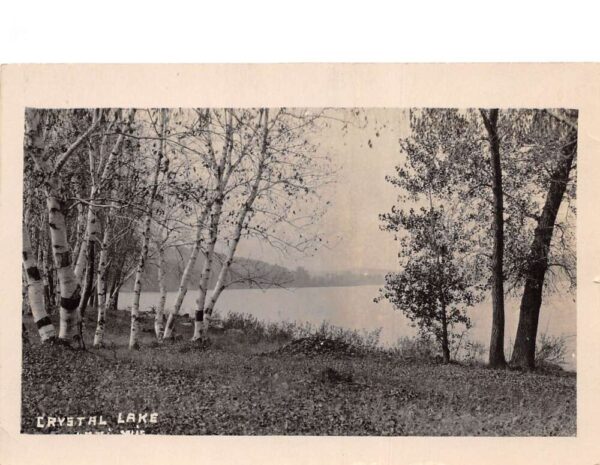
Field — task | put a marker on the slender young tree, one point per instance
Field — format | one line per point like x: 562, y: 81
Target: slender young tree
x: 137, y: 288
x: 436, y: 285
x: 240, y: 221
x: 264, y: 172
x: 185, y: 277
x: 101, y: 281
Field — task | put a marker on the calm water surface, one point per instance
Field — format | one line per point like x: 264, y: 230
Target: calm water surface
x: 353, y: 308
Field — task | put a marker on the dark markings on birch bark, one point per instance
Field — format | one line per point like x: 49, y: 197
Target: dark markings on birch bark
x: 70, y: 303
x: 63, y: 259
x: 199, y: 315
x: 45, y: 321
x: 34, y: 273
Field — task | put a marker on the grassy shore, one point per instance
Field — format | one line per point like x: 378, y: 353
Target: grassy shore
x: 257, y: 379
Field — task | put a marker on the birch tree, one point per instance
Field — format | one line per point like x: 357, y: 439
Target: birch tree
x: 35, y: 291
x: 137, y: 288
x: 185, y: 277
x: 263, y: 171
x: 101, y: 284
x: 37, y: 124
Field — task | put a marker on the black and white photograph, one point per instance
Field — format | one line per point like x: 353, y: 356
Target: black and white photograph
x: 306, y: 271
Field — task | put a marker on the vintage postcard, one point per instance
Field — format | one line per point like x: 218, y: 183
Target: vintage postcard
x: 323, y: 263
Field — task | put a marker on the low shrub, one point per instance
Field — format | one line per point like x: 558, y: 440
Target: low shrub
x: 415, y: 348
x: 550, y: 350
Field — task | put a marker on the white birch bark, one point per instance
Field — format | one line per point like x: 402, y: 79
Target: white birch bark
x: 47, y: 281
x: 137, y: 287
x: 202, y: 326
x: 239, y: 227
x: 207, y: 269
x: 87, y: 292
x: 185, y: 277
x: 103, y: 302
x: 35, y: 291
x: 69, y: 286
x: 217, y: 209
x: 90, y: 234
x: 160, y: 310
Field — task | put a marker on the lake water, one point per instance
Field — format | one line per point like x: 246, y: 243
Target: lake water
x: 353, y: 308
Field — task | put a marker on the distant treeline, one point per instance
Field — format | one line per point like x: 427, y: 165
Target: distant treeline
x: 252, y: 274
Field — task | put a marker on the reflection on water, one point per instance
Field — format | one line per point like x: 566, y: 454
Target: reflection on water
x: 353, y: 308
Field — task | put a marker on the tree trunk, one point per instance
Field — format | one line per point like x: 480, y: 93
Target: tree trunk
x: 90, y: 234
x: 77, y: 230
x: 103, y: 302
x: 220, y: 284
x: 185, y: 277
x: 25, y: 307
x: 444, y: 315
x: 445, y: 341
x: 35, y: 290
x: 207, y: 269
x: 69, y: 287
x: 216, y: 211
x: 496, y: 356
x: 87, y: 291
x: 113, y: 304
x: 48, y: 282
x: 159, y: 317
x: 531, y: 301
x: 137, y: 287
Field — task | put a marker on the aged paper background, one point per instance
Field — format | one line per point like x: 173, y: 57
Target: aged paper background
x: 312, y: 85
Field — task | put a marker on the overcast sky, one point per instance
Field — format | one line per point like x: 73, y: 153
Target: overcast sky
x: 360, y: 195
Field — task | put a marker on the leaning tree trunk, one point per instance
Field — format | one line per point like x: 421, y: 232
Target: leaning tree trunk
x: 525, y: 341
x: 207, y: 269
x: 35, y: 291
x: 220, y: 284
x: 496, y: 356
x: 185, y: 277
x: 217, y: 209
x: 239, y: 227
